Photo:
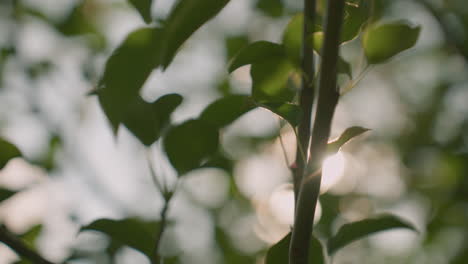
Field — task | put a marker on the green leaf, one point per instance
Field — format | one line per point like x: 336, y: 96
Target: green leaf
x: 147, y: 120
x: 144, y: 8
x: 234, y: 44
x: 191, y: 143
x: 131, y: 232
x: 226, y: 110
x: 186, y: 17
x: 8, y: 151
x: 360, y: 229
x: 381, y: 42
x: 350, y: 133
x: 5, y: 194
x: 289, y: 112
x: 278, y: 253
x: 356, y: 15
x: 272, y: 8
x: 256, y: 52
x: 344, y: 67
x: 269, y: 80
x: 292, y: 38
x: 126, y: 71
x: 30, y: 236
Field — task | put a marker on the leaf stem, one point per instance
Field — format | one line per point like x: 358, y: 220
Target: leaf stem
x: 20, y: 247
x: 327, y: 100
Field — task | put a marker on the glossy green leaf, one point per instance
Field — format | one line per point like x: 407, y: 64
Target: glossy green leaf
x: 191, y: 143
x: 292, y: 38
x: 256, y: 52
x: 356, y: 15
x: 126, y: 71
x: 289, y: 112
x: 226, y: 110
x: 131, y: 232
x: 381, y: 42
x: 8, y: 151
x: 186, y: 17
x: 5, y: 194
x: 147, y: 120
x: 278, y: 253
x: 144, y: 8
x: 272, y: 8
x: 347, y: 135
x: 269, y: 80
x: 360, y: 229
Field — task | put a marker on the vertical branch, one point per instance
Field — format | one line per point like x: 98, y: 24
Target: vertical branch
x: 306, y: 97
x: 157, y: 257
x: 327, y: 100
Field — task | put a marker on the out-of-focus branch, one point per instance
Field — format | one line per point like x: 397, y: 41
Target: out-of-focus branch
x: 13, y: 242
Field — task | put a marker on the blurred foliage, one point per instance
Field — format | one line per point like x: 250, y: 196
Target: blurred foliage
x: 435, y: 167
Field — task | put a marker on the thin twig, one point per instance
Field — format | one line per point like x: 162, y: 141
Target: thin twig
x: 17, y: 245
x: 326, y: 104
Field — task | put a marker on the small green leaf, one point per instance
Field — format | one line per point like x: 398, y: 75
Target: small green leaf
x: 269, y: 80
x: 255, y: 53
x: 289, y: 112
x: 381, y: 42
x: 360, y: 229
x: 131, y: 232
x: 272, y: 8
x: 292, y: 38
x: 30, y: 236
x: 186, y: 17
x: 144, y: 8
x: 147, y: 120
x: 356, y: 15
x: 191, y: 143
x: 8, y: 151
x: 126, y: 71
x: 5, y: 194
x: 226, y: 110
x: 278, y: 253
x: 347, y: 135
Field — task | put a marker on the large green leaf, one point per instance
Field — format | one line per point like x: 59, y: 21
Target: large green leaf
x: 289, y: 112
x: 8, y: 151
x: 226, y: 110
x: 272, y: 8
x: 144, y: 8
x: 360, y: 229
x: 191, y: 143
x: 126, y: 71
x: 356, y: 15
x: 131, y: 232
x: 256, y: 52
x: 147, y: 120
x: 381, y: 42
x: 278, y: 253
x: 270, y: 78
x: 350, y: 133
x: 5, y: 194
x: 186, y: 17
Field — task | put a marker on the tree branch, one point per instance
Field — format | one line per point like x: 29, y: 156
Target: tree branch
x: 17, y: 245
x: 327, y: 101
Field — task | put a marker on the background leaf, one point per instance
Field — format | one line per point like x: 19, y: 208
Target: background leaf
x: 279, y: 252
x: 289, y: 112
x: 356, y: 15
x: 147, y: 120
x: 381, y: 42
x: 360, y: 229
x: 8, y: 151
x: 144, y: 8
x: 131, y: 232
x: 126, y: 71
x: 5, y: 194
x: 186, y: 17
x: 226, y: 110
x: 292, y: 38
x: 255, y: 53
x: 190, y: 143
x: 272, y: 8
